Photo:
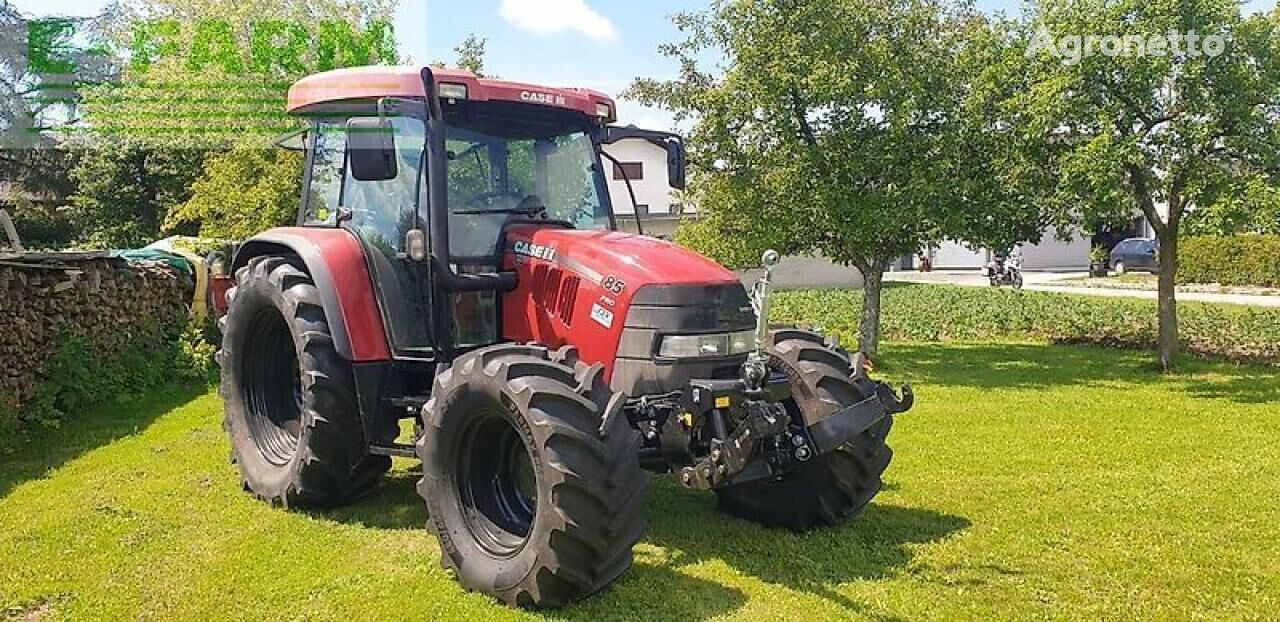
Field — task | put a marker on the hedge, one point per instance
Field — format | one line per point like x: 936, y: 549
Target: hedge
x: 933, y: 313
x: 1230, y: 260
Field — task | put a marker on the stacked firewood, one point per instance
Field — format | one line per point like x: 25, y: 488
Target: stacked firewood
x: 105, y: 301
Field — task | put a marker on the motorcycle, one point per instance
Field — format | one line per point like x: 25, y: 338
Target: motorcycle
x: 1003, y: 272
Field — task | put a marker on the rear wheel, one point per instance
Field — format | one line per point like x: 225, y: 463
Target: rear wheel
x: 1120, y: 268
x: 289, y: 397
x: 831, y: 487
x: 531, y: 475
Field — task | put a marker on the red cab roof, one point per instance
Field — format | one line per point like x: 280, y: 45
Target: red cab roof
x: 406, y: 81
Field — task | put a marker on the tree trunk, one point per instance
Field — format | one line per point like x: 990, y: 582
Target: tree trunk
x: 869, y: 328
x: 1168, y: 340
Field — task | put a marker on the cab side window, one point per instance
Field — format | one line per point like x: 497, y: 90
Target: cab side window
x: 324, y: 195
x: 383, y: 211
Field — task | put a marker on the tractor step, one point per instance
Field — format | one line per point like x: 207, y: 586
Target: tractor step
x: 407, y: 407
x: 400, y: 450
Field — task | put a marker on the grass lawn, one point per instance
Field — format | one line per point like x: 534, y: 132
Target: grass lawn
x: 1030, y: 481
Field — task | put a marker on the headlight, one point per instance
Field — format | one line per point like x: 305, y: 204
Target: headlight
x: 708, y: 346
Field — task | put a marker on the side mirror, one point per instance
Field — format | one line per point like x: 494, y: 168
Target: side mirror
x: 675, y: 163
x: 371, y: 149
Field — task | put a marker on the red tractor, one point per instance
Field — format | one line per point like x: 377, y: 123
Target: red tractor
x: 456, y: 263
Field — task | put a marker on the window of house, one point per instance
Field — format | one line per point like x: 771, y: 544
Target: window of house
x: 628, y: 170
x: 642, y: 209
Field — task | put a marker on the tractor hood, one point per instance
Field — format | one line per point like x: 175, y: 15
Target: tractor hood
x: 635, y: 260
x: 614, y: 296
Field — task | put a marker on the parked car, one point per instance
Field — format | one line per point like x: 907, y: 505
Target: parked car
x: 1135, y: 254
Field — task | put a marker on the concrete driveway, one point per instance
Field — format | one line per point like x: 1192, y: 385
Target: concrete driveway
x: 1051, y: 282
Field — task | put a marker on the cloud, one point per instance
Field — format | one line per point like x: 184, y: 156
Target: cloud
x: 550, y: 17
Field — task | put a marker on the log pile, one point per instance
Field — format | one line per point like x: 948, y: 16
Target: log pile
x: 104, y: 300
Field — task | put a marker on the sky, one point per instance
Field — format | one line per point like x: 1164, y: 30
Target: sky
x: 599, y: 44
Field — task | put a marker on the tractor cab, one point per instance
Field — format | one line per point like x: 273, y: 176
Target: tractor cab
x: 430, y: 185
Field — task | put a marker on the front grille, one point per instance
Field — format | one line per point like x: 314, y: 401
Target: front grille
x: 658, y: 310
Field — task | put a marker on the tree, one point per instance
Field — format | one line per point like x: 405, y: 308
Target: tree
x: 1152, y: 133
x: 1253, y: 206
x: 241, y: 193
x: 470, y: 56
x: 123, y: 193
x: 837, y: 126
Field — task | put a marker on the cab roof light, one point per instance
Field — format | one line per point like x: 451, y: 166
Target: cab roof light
x: 452, y: 91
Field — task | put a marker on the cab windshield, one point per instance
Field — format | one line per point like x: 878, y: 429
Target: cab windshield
x: 501, y: 168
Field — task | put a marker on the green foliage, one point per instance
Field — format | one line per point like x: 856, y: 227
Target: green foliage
x: 1251, y: 206
x: 241, y: 193
x: 860, y: 130
x: 1230, y: 260
x: 40, y: 227
x: 195, y: 352
x: 724, y: 238
x: 838, y: 126
x: 125, y: 191
x: 78, y: 377
x: 10, y: 425
x: 945, y: 313
x: 470, y: 56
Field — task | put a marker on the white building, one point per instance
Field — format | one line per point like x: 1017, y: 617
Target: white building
x: 1049, y: 253
x: 644, y: 162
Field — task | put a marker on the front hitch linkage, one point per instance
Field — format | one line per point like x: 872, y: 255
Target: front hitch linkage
x: 729, y: 457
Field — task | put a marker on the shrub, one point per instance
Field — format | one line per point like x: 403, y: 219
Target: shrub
x: 947, y: 313
x: 1230, y: 260
x: 77, y: 377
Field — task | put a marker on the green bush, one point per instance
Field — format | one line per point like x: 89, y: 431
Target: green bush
x: 1230, y: 260
x: 947, y: 313
x: 77, y: 377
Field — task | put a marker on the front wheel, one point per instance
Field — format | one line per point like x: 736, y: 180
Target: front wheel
x: 531, y: 475
x: 829, y: 488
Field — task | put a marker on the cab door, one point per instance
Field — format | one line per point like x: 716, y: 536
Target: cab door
x: 380, y: 213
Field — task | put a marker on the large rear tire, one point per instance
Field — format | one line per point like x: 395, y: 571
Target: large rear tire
x: 830, y: 488
x: 289, y: 397
x: 531, y: 475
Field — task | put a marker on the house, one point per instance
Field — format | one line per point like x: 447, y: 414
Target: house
x: 644, y: 163
x: 1050, y: 253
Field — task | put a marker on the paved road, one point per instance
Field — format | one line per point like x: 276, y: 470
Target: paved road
x: 1048, y: 282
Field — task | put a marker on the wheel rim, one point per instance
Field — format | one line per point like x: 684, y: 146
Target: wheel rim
x: 272, y: 388
x: 497, y: 483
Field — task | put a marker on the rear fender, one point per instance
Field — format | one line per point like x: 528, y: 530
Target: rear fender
x: 335, y: 261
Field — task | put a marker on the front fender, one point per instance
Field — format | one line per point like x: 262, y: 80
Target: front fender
x: 334, y: 258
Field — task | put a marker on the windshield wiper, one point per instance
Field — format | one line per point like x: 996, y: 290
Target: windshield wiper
x: 529, y: 210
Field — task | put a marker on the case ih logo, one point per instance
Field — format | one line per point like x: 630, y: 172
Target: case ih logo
x: 542, y: 98
x: 537, y: 251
